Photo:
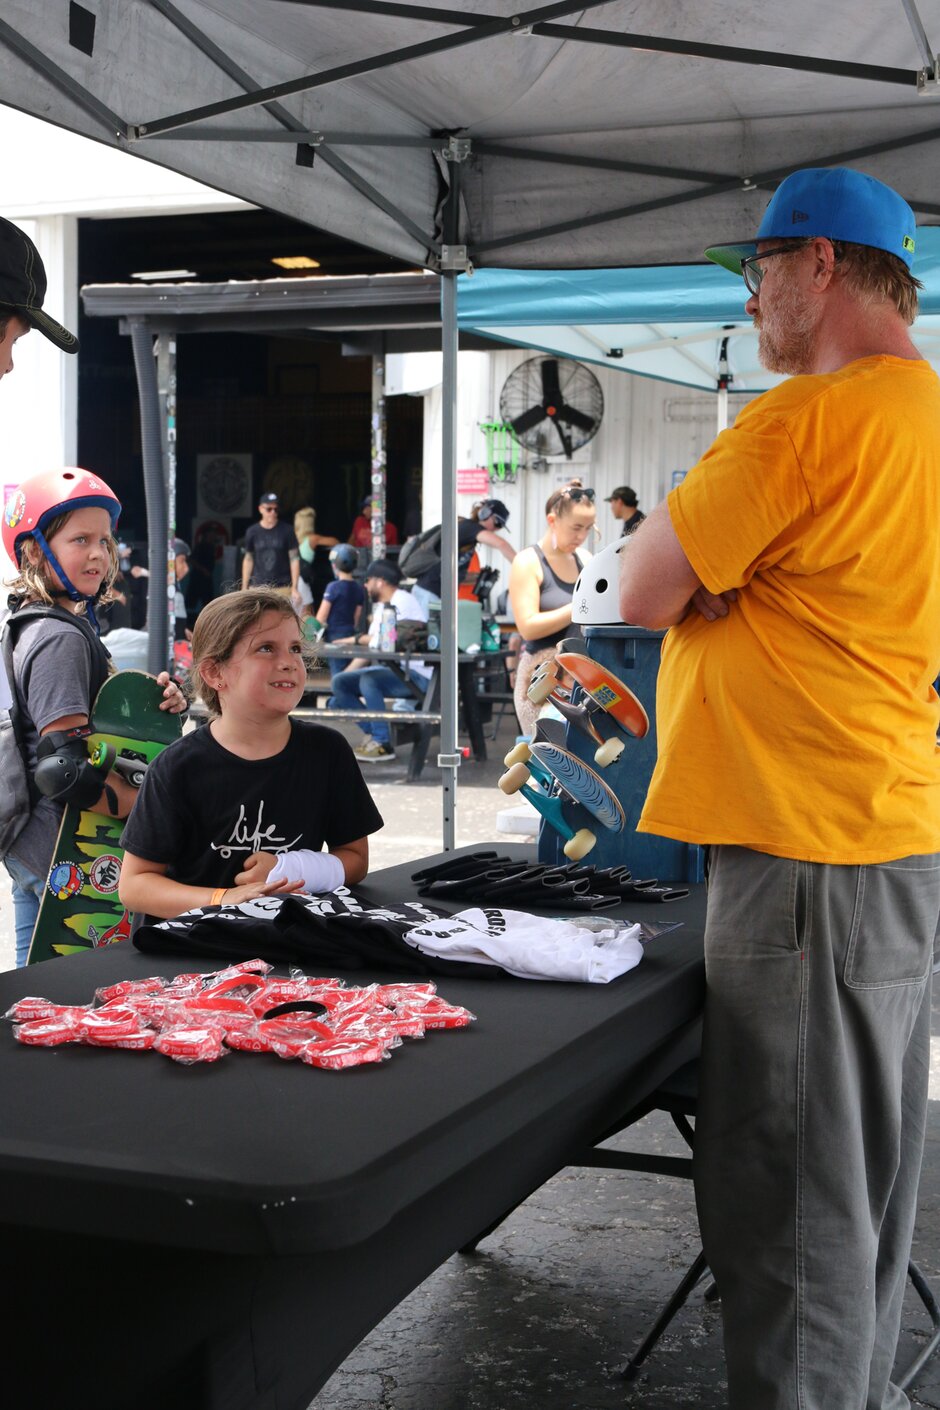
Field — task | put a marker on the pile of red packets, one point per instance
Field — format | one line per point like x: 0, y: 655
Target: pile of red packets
x: 198, y: 1017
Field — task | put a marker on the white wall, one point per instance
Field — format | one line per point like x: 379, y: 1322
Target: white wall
x: 649, y: 431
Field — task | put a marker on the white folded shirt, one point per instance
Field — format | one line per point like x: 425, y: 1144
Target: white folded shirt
x: 532, y: 947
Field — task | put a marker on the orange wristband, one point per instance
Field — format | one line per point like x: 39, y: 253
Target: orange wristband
x: 216, y: 897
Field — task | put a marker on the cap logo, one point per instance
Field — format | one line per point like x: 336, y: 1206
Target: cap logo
x: 798, y: 216
x: 908, y: 244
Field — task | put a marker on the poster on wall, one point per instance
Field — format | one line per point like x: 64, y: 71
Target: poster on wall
x: 223, y: 486
x: 475, y: 480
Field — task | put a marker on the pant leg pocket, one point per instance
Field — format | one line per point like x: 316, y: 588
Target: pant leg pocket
x: 895, y: 923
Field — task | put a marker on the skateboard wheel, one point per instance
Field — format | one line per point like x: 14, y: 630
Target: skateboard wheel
x: 580, y: 845
x: 518, y: 754
x: 610, y: 750
x: 541, y: 689
x: 514, y: 778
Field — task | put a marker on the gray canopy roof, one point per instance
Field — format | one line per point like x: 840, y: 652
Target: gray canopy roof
x: 627, y: 132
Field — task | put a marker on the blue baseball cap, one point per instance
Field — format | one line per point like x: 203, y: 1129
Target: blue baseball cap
x: 836, y: 202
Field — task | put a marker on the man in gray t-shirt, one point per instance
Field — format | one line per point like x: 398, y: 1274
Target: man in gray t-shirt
x: 272, y: 558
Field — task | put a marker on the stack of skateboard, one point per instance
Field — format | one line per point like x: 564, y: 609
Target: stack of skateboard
x: 559, y: 784
x: 487, y: 878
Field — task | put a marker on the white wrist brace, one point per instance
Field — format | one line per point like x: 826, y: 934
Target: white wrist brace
x: 319, y: 871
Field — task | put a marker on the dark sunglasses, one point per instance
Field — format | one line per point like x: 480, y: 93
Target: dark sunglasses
x: 578, y: 492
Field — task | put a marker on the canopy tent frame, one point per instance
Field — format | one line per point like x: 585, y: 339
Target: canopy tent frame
x: 407, y: 188
x: 472, y: 29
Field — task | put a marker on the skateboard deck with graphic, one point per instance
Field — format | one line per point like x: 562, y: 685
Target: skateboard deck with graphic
x: 80, y: 909
x: 605, y: 694
x: 565, y: 790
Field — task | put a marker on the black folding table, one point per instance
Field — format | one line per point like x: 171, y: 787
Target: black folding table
x: 224, y: 1235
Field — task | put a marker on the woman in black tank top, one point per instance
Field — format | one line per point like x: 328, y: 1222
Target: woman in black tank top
x: 541, y: 582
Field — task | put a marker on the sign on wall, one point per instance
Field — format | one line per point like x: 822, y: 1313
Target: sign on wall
x: 223, y: 486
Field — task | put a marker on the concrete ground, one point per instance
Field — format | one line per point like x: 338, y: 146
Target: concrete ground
x: 542, y: 1316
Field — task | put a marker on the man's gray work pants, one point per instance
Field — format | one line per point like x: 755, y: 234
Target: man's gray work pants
x: 811, y: 1119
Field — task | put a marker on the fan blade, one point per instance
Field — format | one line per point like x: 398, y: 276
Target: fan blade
x: 527, y: 420
x: 574, y: 417
x: 551, y: 388
x: 563, y: 437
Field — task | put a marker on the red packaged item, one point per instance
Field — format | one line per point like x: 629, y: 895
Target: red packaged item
x: 393, y: 994
x: 437, y: 1013
x: 30, y: 1009
x: 188, y: 1045
x: 115, y: 1021
x: 234, y: 986
x: 346, y: 1052
x: 247, y: 1040
x: 36, y: 1010
x: 46, y: 1034
x: 126, y: 987
x: 142, y: 1040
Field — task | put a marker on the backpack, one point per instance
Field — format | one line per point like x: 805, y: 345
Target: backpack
x: 420, y: 552
x: 18, y: 793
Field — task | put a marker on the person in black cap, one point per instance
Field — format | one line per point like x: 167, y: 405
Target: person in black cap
x: 797, y: 568
x: 272, y: 558
x: 624, y: 506
x: 22, y: 291
x: 486, y: 518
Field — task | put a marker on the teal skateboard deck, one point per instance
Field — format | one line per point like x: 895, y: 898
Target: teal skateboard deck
x: 565, y: 790
x: 80, y: 908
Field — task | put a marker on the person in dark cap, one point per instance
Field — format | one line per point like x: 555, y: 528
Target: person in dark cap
x: 362, y: 684
x: 22, y: 291
x: 624, y: 506
x: 796, y: 569
x: 272, y: 558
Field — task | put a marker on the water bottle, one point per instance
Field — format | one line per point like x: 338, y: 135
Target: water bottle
x: 388, y: 633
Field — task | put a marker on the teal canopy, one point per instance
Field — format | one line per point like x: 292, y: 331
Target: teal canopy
x: 671, y: 322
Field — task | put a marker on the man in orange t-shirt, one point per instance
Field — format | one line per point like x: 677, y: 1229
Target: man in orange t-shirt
x: 797, y: 564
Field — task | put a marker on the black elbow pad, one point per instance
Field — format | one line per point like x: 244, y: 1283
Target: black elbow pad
x: 64, y: 771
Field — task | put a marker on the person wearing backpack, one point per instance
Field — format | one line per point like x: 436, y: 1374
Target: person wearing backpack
x: 58, y: 528
x: 485, y: 519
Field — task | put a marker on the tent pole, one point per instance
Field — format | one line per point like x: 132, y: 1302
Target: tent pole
x: 151, y: 439
x: 452, y: 260
x: 379, y: 482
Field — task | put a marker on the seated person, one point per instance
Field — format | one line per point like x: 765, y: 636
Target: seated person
x: 362, y: 684
x: 360, y: 535
x: 246, y: 806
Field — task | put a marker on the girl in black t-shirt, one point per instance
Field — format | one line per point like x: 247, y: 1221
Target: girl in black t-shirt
x: 244, y: 807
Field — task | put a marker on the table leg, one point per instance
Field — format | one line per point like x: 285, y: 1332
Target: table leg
x: 471, y: 709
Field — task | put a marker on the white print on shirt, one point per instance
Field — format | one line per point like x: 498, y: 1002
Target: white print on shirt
x: 261, y: 840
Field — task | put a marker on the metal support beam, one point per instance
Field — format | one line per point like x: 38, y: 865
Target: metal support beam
x: 166, y: 391
x: 58, y: 77
x: 379, y: 483
x: 151, y: 440
x: 769, y: 179
x: 376, y: 198
x: 449, y: 759
x: 491, y: 30
x: 304, y: 135
x: 927, y: 55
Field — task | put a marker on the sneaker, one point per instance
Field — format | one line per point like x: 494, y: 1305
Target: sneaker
x: 372, y: 752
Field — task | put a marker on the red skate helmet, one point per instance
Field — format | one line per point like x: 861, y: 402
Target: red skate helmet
x: 39, y: 500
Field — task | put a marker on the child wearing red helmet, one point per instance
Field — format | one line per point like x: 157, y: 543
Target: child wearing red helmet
x: 58, y: 530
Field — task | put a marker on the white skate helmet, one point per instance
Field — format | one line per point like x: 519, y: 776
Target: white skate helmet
x: 595, y: 601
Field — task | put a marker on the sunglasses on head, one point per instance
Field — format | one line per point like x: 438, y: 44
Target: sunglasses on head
x: 578, y: 492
